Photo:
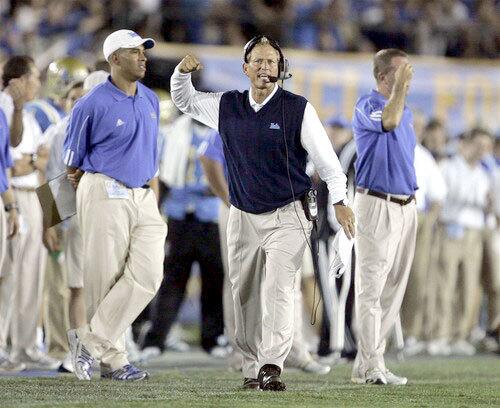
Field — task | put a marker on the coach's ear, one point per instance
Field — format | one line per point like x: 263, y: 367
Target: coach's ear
x: 245, y: 68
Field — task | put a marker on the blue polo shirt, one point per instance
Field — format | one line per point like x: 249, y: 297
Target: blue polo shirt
x: 115, y: 134
x: 385, y: 160
x: 5, y: 159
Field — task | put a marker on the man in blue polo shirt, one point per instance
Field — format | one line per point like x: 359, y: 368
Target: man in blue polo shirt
x: 385, y: 209
x: 112, y: 141
x: 9, y: 225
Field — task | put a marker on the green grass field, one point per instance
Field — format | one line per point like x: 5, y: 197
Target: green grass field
x: 468, y: 382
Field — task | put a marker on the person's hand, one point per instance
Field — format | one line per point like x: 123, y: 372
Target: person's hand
x: 345, y: 217
x: 18, y: 90
x: 190, y: 64
x: 74, y: 177
x: 51, y: 240
x: 12, y: 223
x: 403, y: 76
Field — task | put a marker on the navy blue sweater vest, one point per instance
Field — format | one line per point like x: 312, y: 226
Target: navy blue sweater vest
x: 255, y: 153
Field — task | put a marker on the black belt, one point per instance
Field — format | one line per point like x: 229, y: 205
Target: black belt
x: 387, y: 197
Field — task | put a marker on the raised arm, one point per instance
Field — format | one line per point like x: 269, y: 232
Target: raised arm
x: 202, y: 106
x: 320, y: 150
x: 393, y: 111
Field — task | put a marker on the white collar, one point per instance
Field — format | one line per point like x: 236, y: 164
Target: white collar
x: 256, y: 106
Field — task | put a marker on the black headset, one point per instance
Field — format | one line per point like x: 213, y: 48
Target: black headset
x: 283, y: 64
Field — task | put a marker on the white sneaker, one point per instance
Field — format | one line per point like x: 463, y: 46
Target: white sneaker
x: 375, y: 376
x: 315, y: 368
x: 372, y: 376
x: 35, y: 359
x: 220, y: 351
x: 82, y: 360
x: 7, y: 365
x: 413, y: 346
x: 463, y: 348
x: 393, y: 379
x: 174, y: 340
x: 148, y: 353
x: 438, y: 348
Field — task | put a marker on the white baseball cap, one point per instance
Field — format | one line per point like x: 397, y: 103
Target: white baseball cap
x: 124, y: 39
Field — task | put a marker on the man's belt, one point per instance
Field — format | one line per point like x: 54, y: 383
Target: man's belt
x: 387, y: 197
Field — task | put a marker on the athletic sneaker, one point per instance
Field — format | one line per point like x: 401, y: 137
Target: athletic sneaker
x: 462, y: 348
x: 148, y: 353
x: 35, y: 359
x: 126, y: 373
x: 7, y: 365
x: 372, y: 376
x: 314, y: 367
x: 393, y: 379
x: 80, y: 356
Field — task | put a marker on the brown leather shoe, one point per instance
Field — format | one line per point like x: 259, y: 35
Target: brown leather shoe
x: 269, y: 378
x: 251, y: 384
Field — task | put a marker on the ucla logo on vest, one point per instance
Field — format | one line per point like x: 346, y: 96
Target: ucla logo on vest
x: 274, y: 126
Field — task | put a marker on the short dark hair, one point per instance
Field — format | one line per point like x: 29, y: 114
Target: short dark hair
x: 383, y: 58
x: 74, y: 85
x: 433, y: 124
x: 16, y: 67
x: 477, y: 131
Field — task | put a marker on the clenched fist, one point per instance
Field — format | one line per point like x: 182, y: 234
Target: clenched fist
x: 19, y: 91
x: 403, y: 76
x: 190, y: 64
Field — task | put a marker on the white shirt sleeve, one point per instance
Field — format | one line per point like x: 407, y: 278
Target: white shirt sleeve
x: 317, y: 144
x: 202, y: 106
x: 436, y: 186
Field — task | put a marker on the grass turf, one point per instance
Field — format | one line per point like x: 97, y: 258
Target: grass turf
x: 468, y: 382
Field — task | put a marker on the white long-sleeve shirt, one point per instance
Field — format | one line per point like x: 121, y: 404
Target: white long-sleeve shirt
x: 431, y: 185
x: 468, y: 188
x: 204, y: 107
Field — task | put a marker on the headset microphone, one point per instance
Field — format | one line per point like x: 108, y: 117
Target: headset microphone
x: 276, y: 79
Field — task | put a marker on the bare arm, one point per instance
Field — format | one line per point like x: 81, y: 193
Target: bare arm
x: 216, y: 179
x: 393, y: 111
x: 9, y: 201
x: 17, y: 89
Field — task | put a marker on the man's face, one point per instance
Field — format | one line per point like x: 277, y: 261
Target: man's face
x: 390, y: 75
x: 262, y: 63
x: 132, y: 62
x: 481, y: 146
x: 73, y: 96
x: 32, y: 79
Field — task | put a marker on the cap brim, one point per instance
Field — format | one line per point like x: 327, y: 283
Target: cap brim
x: 146, y: 42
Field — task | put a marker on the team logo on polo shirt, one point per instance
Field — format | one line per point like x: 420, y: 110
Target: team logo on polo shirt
x: 153, y: 115
x: 119, y: 122
x: 376, y: 115
x: 274, y: 126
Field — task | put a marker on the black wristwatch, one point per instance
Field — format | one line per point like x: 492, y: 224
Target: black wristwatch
x: 11, y: 206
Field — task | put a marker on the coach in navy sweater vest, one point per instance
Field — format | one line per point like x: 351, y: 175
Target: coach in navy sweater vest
x: 267, y: 229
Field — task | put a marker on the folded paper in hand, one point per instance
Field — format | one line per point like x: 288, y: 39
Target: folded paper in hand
x: 341, y: 251
x: 58, y: 200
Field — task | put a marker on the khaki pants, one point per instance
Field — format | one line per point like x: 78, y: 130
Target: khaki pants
x: 265, y: 253
x: 385, y: 244
x: 460, y: 260
x: 28, y: 269
x: 56, y: 301
x: 123, y: 246
x: 3, y: 235
x: 490, y: 279
x: 413, y: 308
x: 73, y: 253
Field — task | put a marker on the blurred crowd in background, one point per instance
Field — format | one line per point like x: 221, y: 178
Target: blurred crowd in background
x: 454, y: 28
x: 452, y: 306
